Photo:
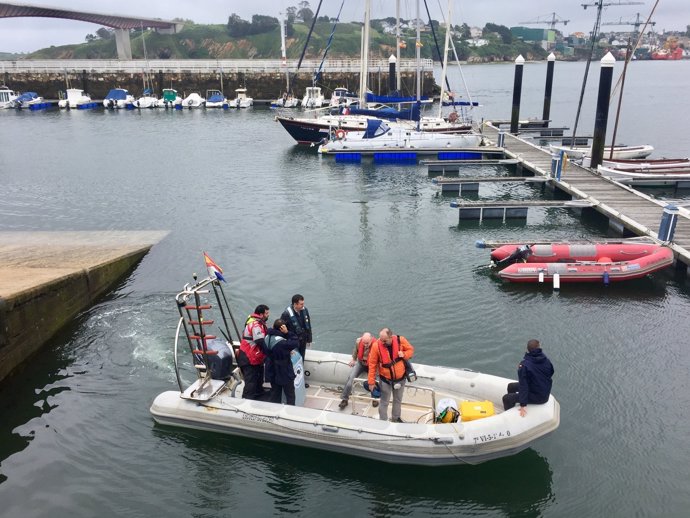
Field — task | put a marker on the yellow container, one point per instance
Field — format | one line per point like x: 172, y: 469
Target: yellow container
x: 471, y: 410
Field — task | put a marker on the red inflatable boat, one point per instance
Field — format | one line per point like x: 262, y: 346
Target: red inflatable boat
x: 580, y: 262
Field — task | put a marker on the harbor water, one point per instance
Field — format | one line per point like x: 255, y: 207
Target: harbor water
x: 368, y: 245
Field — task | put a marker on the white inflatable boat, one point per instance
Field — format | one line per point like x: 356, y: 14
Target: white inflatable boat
x: 217, y: 405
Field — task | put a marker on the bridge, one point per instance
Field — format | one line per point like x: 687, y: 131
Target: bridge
x: 121, y: 24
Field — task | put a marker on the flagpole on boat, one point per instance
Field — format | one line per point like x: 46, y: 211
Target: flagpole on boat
x: 216, y: 286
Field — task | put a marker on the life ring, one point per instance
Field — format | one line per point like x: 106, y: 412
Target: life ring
x: 340, y: 134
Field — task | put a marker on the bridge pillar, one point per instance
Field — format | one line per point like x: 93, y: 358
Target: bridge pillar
x: 124, y: 47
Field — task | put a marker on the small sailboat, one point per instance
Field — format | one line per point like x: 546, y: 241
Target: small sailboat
x: 242, y: 100
x: 379, y: 136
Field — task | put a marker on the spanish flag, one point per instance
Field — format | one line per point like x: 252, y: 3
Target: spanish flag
x: 214, y: 270
x: 418, y: 44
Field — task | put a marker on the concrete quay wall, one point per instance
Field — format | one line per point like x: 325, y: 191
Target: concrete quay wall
x: 260, y: 85
x: 48, y: 278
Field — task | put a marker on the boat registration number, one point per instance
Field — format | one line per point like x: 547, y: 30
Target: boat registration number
x: 488, y: 437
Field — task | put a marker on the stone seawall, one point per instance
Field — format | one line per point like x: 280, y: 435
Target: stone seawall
x: 48, y: 278
x: 259, y: 85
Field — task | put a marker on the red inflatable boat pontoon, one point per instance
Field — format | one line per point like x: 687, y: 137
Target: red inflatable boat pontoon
x: 581, y: 262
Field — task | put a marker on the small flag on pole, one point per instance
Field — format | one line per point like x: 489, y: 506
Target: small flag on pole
x: 418, y: 44
x: 213, y: 269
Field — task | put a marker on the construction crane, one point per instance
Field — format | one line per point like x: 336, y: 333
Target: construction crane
x: 636, y: 24
x: 552, y: 23
x: 609, y: 4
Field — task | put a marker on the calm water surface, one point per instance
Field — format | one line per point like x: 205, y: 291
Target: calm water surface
x: 369, y: 246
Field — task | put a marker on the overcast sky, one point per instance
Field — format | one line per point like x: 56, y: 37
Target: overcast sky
x: 29, y: 34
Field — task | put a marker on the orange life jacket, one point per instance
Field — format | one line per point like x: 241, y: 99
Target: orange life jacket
x: 391, y: 368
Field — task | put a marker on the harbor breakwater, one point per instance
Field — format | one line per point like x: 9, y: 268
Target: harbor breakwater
x: 260, y: 85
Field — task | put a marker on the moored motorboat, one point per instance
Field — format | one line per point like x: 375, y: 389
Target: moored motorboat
x: 75, y: 98
x: 215, y: 99
x: 118, y: 98
x: 26, y: 100
x: 343, y: 97
x: 214, y: 402
x: 170, y: 99
x: 193, y: 100
x: 580, y: 262
x: 625, y: 152
x: 242, y: 100
x: 147, y: 100
x: 313, y: 98
x: 7, y: 96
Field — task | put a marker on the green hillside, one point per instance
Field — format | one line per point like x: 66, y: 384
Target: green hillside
x: 198, y: 41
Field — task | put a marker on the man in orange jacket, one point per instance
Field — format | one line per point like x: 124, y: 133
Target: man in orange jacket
x: 386, y: 356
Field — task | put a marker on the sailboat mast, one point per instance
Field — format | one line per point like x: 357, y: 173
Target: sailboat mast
x: 283, y: 51
x: 445, y: 58
x: 418, y: 57
x: 365, y: 55
x: 397, y: 45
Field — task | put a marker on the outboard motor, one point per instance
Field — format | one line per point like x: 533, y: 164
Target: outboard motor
x: 521, y: 253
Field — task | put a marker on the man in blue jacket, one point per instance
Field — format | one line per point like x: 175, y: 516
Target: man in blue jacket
x: 534, y: 380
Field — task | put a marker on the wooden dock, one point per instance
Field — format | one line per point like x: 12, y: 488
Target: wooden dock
x: 626, y: 208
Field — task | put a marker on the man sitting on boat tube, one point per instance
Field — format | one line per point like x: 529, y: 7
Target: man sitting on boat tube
x: 387, y: 356
x: 358, y: 365
x: 534, y: 374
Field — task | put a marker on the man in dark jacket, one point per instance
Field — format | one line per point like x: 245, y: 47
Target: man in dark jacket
x: 296, y: 316
x: 534, y: 380
x: 279, y: 369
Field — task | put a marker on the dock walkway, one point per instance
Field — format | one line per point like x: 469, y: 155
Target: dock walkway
x: 628, y: 208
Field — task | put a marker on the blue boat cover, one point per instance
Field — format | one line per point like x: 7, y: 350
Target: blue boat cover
x: 376, y: 128
x: 27, y: 96
x: 117, y: 94
x: 215, y: 98
x: 412, y: 114
x: 371, y: 98
x: 460, y: 103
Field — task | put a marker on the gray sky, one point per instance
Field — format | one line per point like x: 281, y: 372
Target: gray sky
x: 28, y: 34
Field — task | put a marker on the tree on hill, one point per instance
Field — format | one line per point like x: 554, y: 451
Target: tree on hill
x: 104, y: 33
x: 239, y: 28
x: 501, y: 30
x: 304, y: 12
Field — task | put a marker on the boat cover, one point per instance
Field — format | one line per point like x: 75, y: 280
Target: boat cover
x: 215, y: 98
x: 117, y: 94
x: 376, y: 128
x: 27, y: 96
x: 371, y: 98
